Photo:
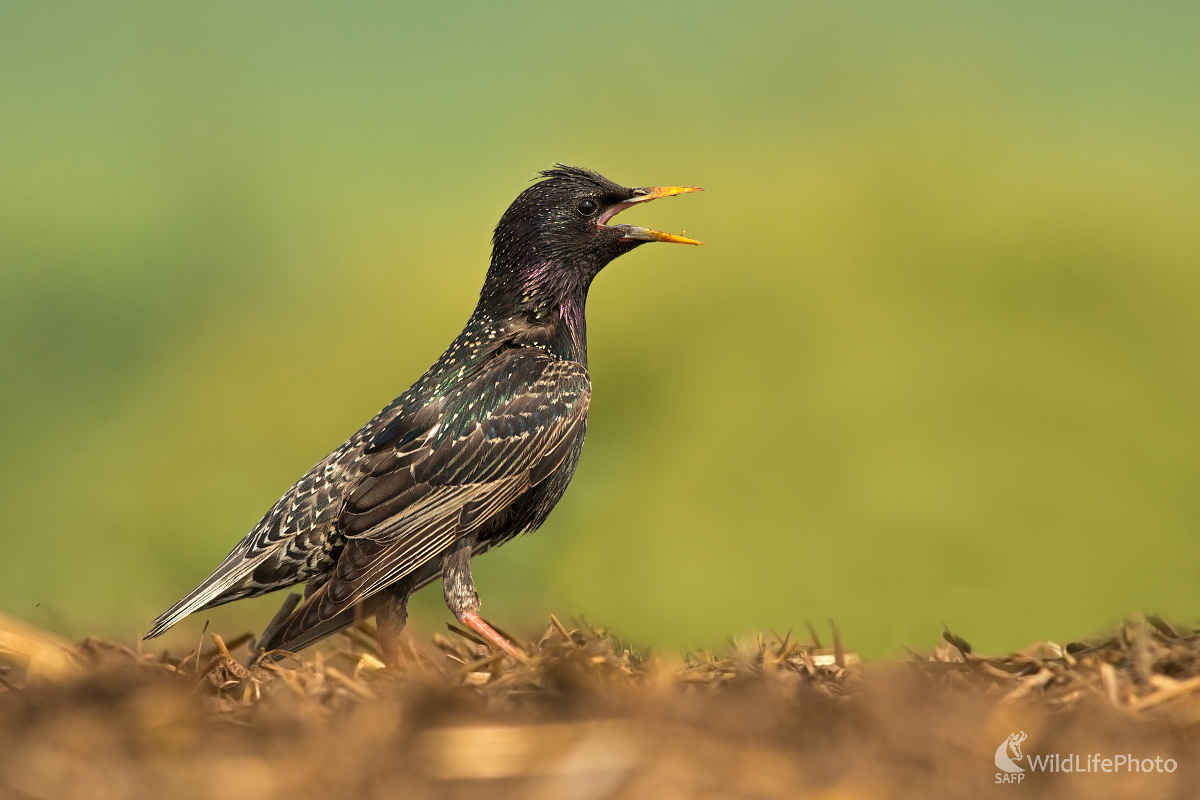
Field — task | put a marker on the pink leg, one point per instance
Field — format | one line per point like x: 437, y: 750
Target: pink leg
x: 462, y: 599
x: 489, y: 634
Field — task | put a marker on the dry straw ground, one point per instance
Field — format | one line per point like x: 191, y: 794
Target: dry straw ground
x: 588, y: 717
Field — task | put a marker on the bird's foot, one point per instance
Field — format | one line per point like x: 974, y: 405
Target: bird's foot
x: 489, y: 634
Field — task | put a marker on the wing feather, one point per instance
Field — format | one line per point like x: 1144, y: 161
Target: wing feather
x: 498, y: 433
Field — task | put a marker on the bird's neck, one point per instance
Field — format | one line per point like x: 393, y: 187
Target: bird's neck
x: 542, y: 305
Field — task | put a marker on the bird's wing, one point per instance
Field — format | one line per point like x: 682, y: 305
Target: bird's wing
x: 497, y: 433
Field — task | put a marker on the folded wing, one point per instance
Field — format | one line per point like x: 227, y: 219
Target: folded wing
x: 436, y: 477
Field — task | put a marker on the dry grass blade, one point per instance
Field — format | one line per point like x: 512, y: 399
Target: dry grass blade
x: 558, y: 626
x: 44, y: 655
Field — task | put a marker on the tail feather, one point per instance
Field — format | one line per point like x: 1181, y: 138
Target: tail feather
x: 217, y: 589
x: 289, y: 637
x: 189, y: 605
x: 287, y: 632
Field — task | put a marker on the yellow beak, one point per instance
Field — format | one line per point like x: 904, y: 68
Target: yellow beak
x: 636, y: 233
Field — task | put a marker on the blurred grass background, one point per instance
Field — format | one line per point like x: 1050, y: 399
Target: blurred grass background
x: 938, y: 361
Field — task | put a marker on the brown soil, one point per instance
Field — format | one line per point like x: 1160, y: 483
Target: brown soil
x: 587, y: 717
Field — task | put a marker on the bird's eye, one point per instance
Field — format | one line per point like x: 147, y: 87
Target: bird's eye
x: 588, y: 207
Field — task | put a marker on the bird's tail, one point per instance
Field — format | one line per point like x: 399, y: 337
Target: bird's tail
x: 217, y: 589
x: 194, y: 602
x: 288, y: 636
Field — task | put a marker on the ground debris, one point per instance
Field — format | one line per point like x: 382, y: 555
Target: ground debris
x: 588, y: 716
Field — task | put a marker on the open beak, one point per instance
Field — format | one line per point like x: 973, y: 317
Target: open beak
x: 634, y: 233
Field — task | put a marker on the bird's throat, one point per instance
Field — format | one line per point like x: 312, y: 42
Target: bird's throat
x: 545, y: 300
x: 571, y: 313
x: 552, y: 302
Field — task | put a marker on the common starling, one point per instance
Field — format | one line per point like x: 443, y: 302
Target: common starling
x: 477, y: 451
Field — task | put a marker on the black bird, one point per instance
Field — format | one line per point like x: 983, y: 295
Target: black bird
x: 477, y: 451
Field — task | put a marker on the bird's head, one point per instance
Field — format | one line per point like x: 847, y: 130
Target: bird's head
x: 563, y: 224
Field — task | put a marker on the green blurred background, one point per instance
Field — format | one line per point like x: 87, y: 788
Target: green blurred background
x: 938, y: 361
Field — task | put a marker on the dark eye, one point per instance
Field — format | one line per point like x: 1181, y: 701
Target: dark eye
x: 588, y: 207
